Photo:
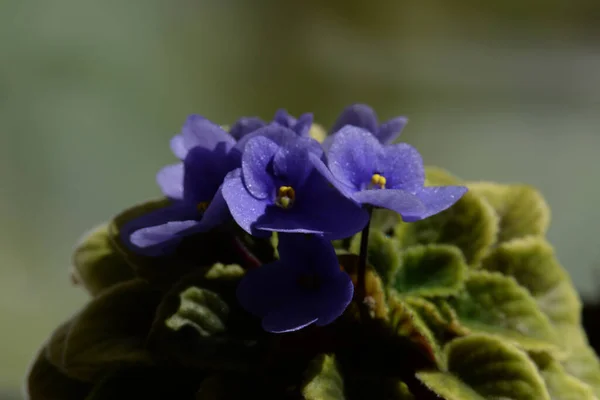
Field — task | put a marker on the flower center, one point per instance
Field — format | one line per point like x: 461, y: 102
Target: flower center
x: 285, y: 196
x: 377, y: 182
x: 202, y: 206
x: 309, y: 281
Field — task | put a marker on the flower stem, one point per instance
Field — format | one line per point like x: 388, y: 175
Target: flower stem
x: 251, y: 260
x: 361, y: 289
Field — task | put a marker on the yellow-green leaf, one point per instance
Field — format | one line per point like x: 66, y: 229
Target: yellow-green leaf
x: 521, y: 209
x: 485, y: 367
x: 496, y: 304
x: 323, y: 380
x: 531, y: 261
x: 470, y: 224
x: 382, y: 254
x: 98, y: 264
x: 560, y: 384
x: 435, y: 176
x: 110, y: 332
x: 582, y: 361
x: 433, y: 270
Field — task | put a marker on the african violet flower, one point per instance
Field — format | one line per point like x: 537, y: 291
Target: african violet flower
x: 363, y: 116
x: 246, y: 125
x: 278, y: 189
x: 194, y: 187
x: 304, y: 286
x: 384, y: 176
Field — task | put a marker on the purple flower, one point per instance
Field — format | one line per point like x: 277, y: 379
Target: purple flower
x: 247, y: 125
x: 304, y: 286
x: 193, y: 186
x: 363, y: 116
x: 384, y: 176
x: 278, y: 189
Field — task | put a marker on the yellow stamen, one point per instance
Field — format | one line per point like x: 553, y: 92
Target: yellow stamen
x: 378, y: 180
x: 285, y: 197
x: 202, y: 206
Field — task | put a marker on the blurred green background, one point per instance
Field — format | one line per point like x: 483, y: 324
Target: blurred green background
x: 91, y: 92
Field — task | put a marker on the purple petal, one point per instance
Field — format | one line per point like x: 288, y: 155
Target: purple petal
x: 353, y: 155
x: 199, y: 131
x: 291, y: 163
x: 328, y: 142
x: 337, y: 296
x: 216, y: 214
x: 256, y: 158
x: 152, y: 236
x: 390, y: 130
x: 244, y: 126
x: 358, y: 115
x: 177, y: 147
x: 402, y: 166
x: 263, y: 287
x: 274, y: 132
x: 404, y: 203
x: 204, y: 171
x: 283, y: 118
x: 326, y: 173
x: 245, y: 208
x: 290, y: 317
x: 170, y: 180
x: 303, y: 124
x: 437, y: 199
x: 179, y: 211
x: 309, y: 253
x: 320, y: 209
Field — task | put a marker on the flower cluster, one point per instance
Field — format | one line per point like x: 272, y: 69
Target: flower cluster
x: 274, y: 177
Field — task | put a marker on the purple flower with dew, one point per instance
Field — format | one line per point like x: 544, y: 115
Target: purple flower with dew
x: 389, y: 177
x: 278, y: 189
x: 194, y: 186
x: 247, y: 125
x: 363, y: 116
x: 303, y: 287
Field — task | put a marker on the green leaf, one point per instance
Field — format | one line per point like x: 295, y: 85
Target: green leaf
x: 485, y: 367
x: 46, y: 381
x: 434, y: 270
x: 560, y: 384
x: 531, y: 261
x: 382, y: 254
x: 521, y: 209
x: 582, y: 362
x: 384, y: 220
x: 470, y: 225
x: 375, y: 292
x: 496, y: 304
x: 222, y: 271
x: 435, y: 176
x: 146, y: 383
x: 98, y: 264
x: 439, y: 317
x: 110, y: 332
x: 200, y: 324
x: 56, y: 344
x: 323, y: 380
x: 406, y: 322
x: 227, y: 387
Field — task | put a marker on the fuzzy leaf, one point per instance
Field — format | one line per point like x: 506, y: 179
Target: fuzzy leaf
x: 384, y: 220
x: 470, y: 225
x: 146, y: 383
x: 496, y: 304
x: 225, y: 387
x: 405, y: 321
x: 521, y: 209
x: 435, y: 176
x: 200, y: 324
x: 375, y: 292
x: 484, y: 367
x: 46, y: 381
x: 222, y: 271
x: 560, y: 384
x: 382, y: 254
x: 531, y: 261
x: 582, y: 362
x: 56, y: 344
x: 438, y: 316
x: 323, y: 381
x: 434, y: 270
x: 110, y: 332
x: 98, y: 264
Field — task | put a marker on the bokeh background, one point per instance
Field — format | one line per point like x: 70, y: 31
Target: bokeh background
x: 91, y: 92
